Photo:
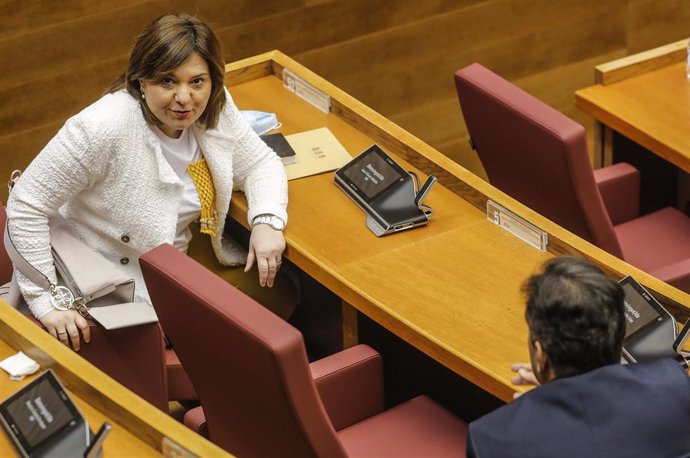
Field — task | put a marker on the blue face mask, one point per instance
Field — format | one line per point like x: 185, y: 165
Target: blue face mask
x: 259, y: 121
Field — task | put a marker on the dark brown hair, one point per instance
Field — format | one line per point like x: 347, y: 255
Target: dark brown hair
x: 164, y: 45
x: 576, y: 312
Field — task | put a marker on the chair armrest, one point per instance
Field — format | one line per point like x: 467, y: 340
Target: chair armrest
x: 619, y: 186
x: 350, y: 384
x: 677, y: 274
x: 195, y: 420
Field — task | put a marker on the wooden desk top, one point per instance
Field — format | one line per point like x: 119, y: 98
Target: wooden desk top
x: 138, y: 427
x: 651, y: 107
x: 452, y: 288
x: 435, y: 286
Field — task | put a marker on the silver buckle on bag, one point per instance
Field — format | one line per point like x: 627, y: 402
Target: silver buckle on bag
x: 61, y: 298
x: 80, y: 306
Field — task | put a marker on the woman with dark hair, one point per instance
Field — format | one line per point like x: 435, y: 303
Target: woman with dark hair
x: 162, y: 149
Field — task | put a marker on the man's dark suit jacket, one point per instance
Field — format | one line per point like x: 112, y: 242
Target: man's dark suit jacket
x: 638, y: 410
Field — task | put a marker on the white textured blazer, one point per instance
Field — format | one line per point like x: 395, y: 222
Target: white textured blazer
x: 105, y: 173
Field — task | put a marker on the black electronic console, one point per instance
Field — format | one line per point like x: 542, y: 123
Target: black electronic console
x: 385, y: 191
x: 42, y: 421
x: 651, y: 332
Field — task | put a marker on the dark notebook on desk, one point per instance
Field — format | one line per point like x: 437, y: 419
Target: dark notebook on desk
x: 278, y: 143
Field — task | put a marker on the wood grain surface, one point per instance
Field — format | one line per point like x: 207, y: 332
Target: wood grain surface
x: 650, y: 108
x: 397, y: 56
x: 451, y: 288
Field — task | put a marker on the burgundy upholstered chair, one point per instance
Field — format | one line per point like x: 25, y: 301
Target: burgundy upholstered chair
x: 259, y: 394
x: 539, y: 156
x: 132, y: 356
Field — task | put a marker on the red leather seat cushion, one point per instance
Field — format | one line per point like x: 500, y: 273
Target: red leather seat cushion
x: 416, y: 428
x: 656, y: 240
x: 195, y: 419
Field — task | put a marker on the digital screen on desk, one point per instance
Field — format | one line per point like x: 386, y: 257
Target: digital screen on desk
x: 39, y: 411
x: 639, y: 312
x: 372, y: 174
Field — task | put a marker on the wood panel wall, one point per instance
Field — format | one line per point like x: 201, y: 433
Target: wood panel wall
x: 398, y: 56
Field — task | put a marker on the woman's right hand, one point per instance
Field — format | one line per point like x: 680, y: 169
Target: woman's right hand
x: 65, y: 326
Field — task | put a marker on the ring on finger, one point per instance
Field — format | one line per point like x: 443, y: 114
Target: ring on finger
x: 279, y: 261
x: 63, y: 333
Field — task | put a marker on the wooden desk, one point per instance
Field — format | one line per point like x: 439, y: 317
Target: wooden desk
x: 645, y: 97
x: 138, y: 427
x: 451, y: 288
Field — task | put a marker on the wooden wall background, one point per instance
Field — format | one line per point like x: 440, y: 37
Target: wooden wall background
x: 397, y: 56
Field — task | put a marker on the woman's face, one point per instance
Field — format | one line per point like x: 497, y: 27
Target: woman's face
x: 179, y: 97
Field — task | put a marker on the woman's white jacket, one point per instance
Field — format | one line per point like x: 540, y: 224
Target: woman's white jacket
x: 105, y: 173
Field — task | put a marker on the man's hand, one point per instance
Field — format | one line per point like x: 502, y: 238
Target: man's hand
x: 266, y: 246
x: 65, y: 326
x: 524, y: 376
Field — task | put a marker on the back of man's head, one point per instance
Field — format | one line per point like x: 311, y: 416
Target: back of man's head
x: 577, y: 315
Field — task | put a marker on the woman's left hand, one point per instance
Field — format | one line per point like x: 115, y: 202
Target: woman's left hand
x: 266, y: 246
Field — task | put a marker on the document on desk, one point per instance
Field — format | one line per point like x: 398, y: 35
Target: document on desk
x: 318, y: 151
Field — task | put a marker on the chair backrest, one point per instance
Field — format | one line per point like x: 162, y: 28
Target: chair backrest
x: 535, y: 154
x: 248, y: 366
x: 5, y: 262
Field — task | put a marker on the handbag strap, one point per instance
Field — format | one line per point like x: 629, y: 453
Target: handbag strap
x: 29, y: 271
x: 61, y: 297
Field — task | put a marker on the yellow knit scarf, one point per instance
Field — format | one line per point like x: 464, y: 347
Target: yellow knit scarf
x: 201, y: 176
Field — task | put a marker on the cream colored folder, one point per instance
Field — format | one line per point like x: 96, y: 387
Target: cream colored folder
x: 317, y: 151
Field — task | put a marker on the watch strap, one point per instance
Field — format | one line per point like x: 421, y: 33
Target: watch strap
x: 270, y: 219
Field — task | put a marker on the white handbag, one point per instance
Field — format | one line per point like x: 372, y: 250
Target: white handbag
x: 87, y: 281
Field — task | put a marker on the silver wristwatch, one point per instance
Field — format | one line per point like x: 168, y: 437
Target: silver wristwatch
x: 272, y: 220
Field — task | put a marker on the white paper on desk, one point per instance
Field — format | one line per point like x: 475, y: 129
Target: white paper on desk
x: 19, y: 366
x: 317, y: 151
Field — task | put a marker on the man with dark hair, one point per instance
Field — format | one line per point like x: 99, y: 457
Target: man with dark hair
x: 589, y: 405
